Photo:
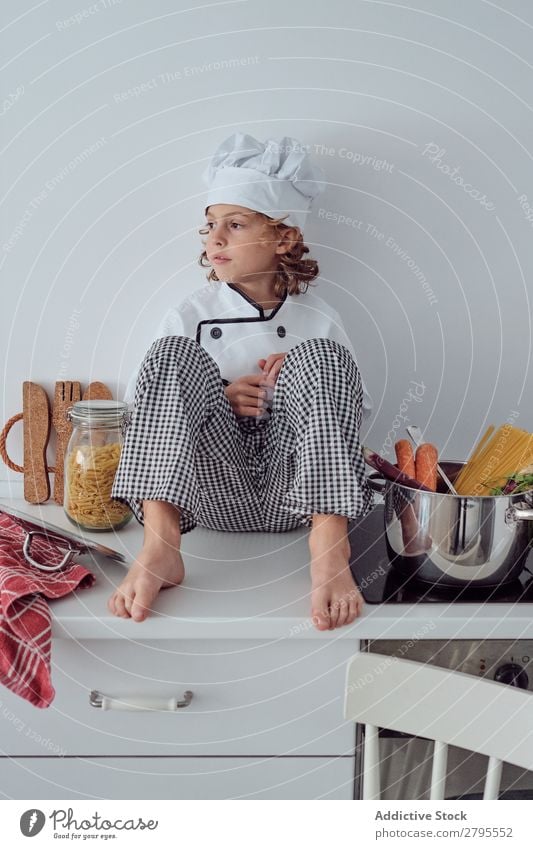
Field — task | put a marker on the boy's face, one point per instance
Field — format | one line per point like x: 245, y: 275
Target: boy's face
x: 240, y: 245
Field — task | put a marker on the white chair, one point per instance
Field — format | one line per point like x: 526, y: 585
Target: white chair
x: 448, y: 707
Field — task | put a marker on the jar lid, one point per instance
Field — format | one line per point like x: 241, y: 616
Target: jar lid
x: 98, y: 412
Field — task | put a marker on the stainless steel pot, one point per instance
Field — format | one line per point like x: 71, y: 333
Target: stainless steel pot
x: 456, y: 540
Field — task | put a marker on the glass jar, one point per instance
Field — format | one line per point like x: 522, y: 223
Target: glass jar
x: 91, y: 462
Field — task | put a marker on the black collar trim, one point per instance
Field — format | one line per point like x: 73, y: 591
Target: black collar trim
x: 257, y: 306
x: 260, y: 317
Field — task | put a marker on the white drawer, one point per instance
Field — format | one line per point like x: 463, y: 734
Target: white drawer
x: 250, y: 698
x: 177, y: 778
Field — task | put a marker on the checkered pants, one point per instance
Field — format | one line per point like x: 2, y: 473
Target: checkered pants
x: 186, y: 446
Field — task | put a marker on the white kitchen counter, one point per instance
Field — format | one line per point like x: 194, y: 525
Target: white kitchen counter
x: 266, y: 715
x: 266, y: 720
x: 253, y: 586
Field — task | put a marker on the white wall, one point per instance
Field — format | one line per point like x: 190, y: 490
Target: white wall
x: 108, y: 120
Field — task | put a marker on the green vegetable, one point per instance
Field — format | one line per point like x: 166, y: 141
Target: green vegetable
x: 514, y: 484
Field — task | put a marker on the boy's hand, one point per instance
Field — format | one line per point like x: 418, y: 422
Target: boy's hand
x: 251, y: 394
x: 246, y: 395
x: 271, y: 367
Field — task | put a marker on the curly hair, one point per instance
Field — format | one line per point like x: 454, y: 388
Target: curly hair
x: 294, y: 273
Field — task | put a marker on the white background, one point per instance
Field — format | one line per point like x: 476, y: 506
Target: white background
x: 101, y: 191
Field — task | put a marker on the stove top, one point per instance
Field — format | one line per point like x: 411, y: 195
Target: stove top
x: 382, y: 582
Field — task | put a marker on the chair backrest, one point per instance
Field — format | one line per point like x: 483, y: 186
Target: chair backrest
x: 449, y: 707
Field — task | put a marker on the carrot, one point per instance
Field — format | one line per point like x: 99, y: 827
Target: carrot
x: 390, y: 471
x: 405, y: 459
x: 426, y: 465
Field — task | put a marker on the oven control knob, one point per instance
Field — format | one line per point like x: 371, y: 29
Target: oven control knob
x: 513, y: 674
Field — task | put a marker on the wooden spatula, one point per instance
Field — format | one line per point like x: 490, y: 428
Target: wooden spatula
x: 66, y: 394
x: 36, y: 422
x: 97, y: 391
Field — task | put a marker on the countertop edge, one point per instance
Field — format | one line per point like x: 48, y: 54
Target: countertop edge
x: 394, y: 622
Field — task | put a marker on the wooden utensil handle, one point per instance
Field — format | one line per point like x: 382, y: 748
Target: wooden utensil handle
x: 36, y: 421
x: 36, y: 484
x: 3, y: 445
x: 59, y: 477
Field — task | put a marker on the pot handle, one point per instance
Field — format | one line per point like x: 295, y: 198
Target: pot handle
x: 376, y: 482
x: 518, y: 513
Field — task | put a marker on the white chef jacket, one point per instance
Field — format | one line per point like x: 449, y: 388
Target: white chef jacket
x: 237, y: 332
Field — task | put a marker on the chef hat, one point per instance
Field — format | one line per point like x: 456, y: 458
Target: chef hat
x: 276, y: 178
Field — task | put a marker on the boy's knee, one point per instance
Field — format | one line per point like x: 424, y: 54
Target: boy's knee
x: 319, y: 349
x: 183, y: 352
x: 326, y: 357
x: 172, y: 346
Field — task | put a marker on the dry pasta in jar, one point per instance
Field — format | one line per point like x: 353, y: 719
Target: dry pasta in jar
x: 91, y: 462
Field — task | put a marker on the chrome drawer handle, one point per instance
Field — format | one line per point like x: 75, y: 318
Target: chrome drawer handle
x: 99, y: 700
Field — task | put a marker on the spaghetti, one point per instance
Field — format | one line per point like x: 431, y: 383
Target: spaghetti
x: 89, y: 473
x: 500, y: 455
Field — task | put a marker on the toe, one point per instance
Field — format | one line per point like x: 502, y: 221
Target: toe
x: 142, y: 603
x: 120, y: 606
x: 128, y: 601
x: 321, y: 620
x: 352, y: 613
x: 344, y: 610
x: 356, y: 606
x: 334, y: 614
x: 359, y: 602
x: 320, y: 612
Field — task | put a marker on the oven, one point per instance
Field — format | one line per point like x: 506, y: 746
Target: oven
x: 406, y: 760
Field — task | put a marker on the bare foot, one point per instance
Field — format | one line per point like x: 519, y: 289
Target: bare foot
x: 157, y: 566
x: 335, y: 598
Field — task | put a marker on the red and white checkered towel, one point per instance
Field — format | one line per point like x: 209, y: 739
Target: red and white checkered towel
x: 25, y: 621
